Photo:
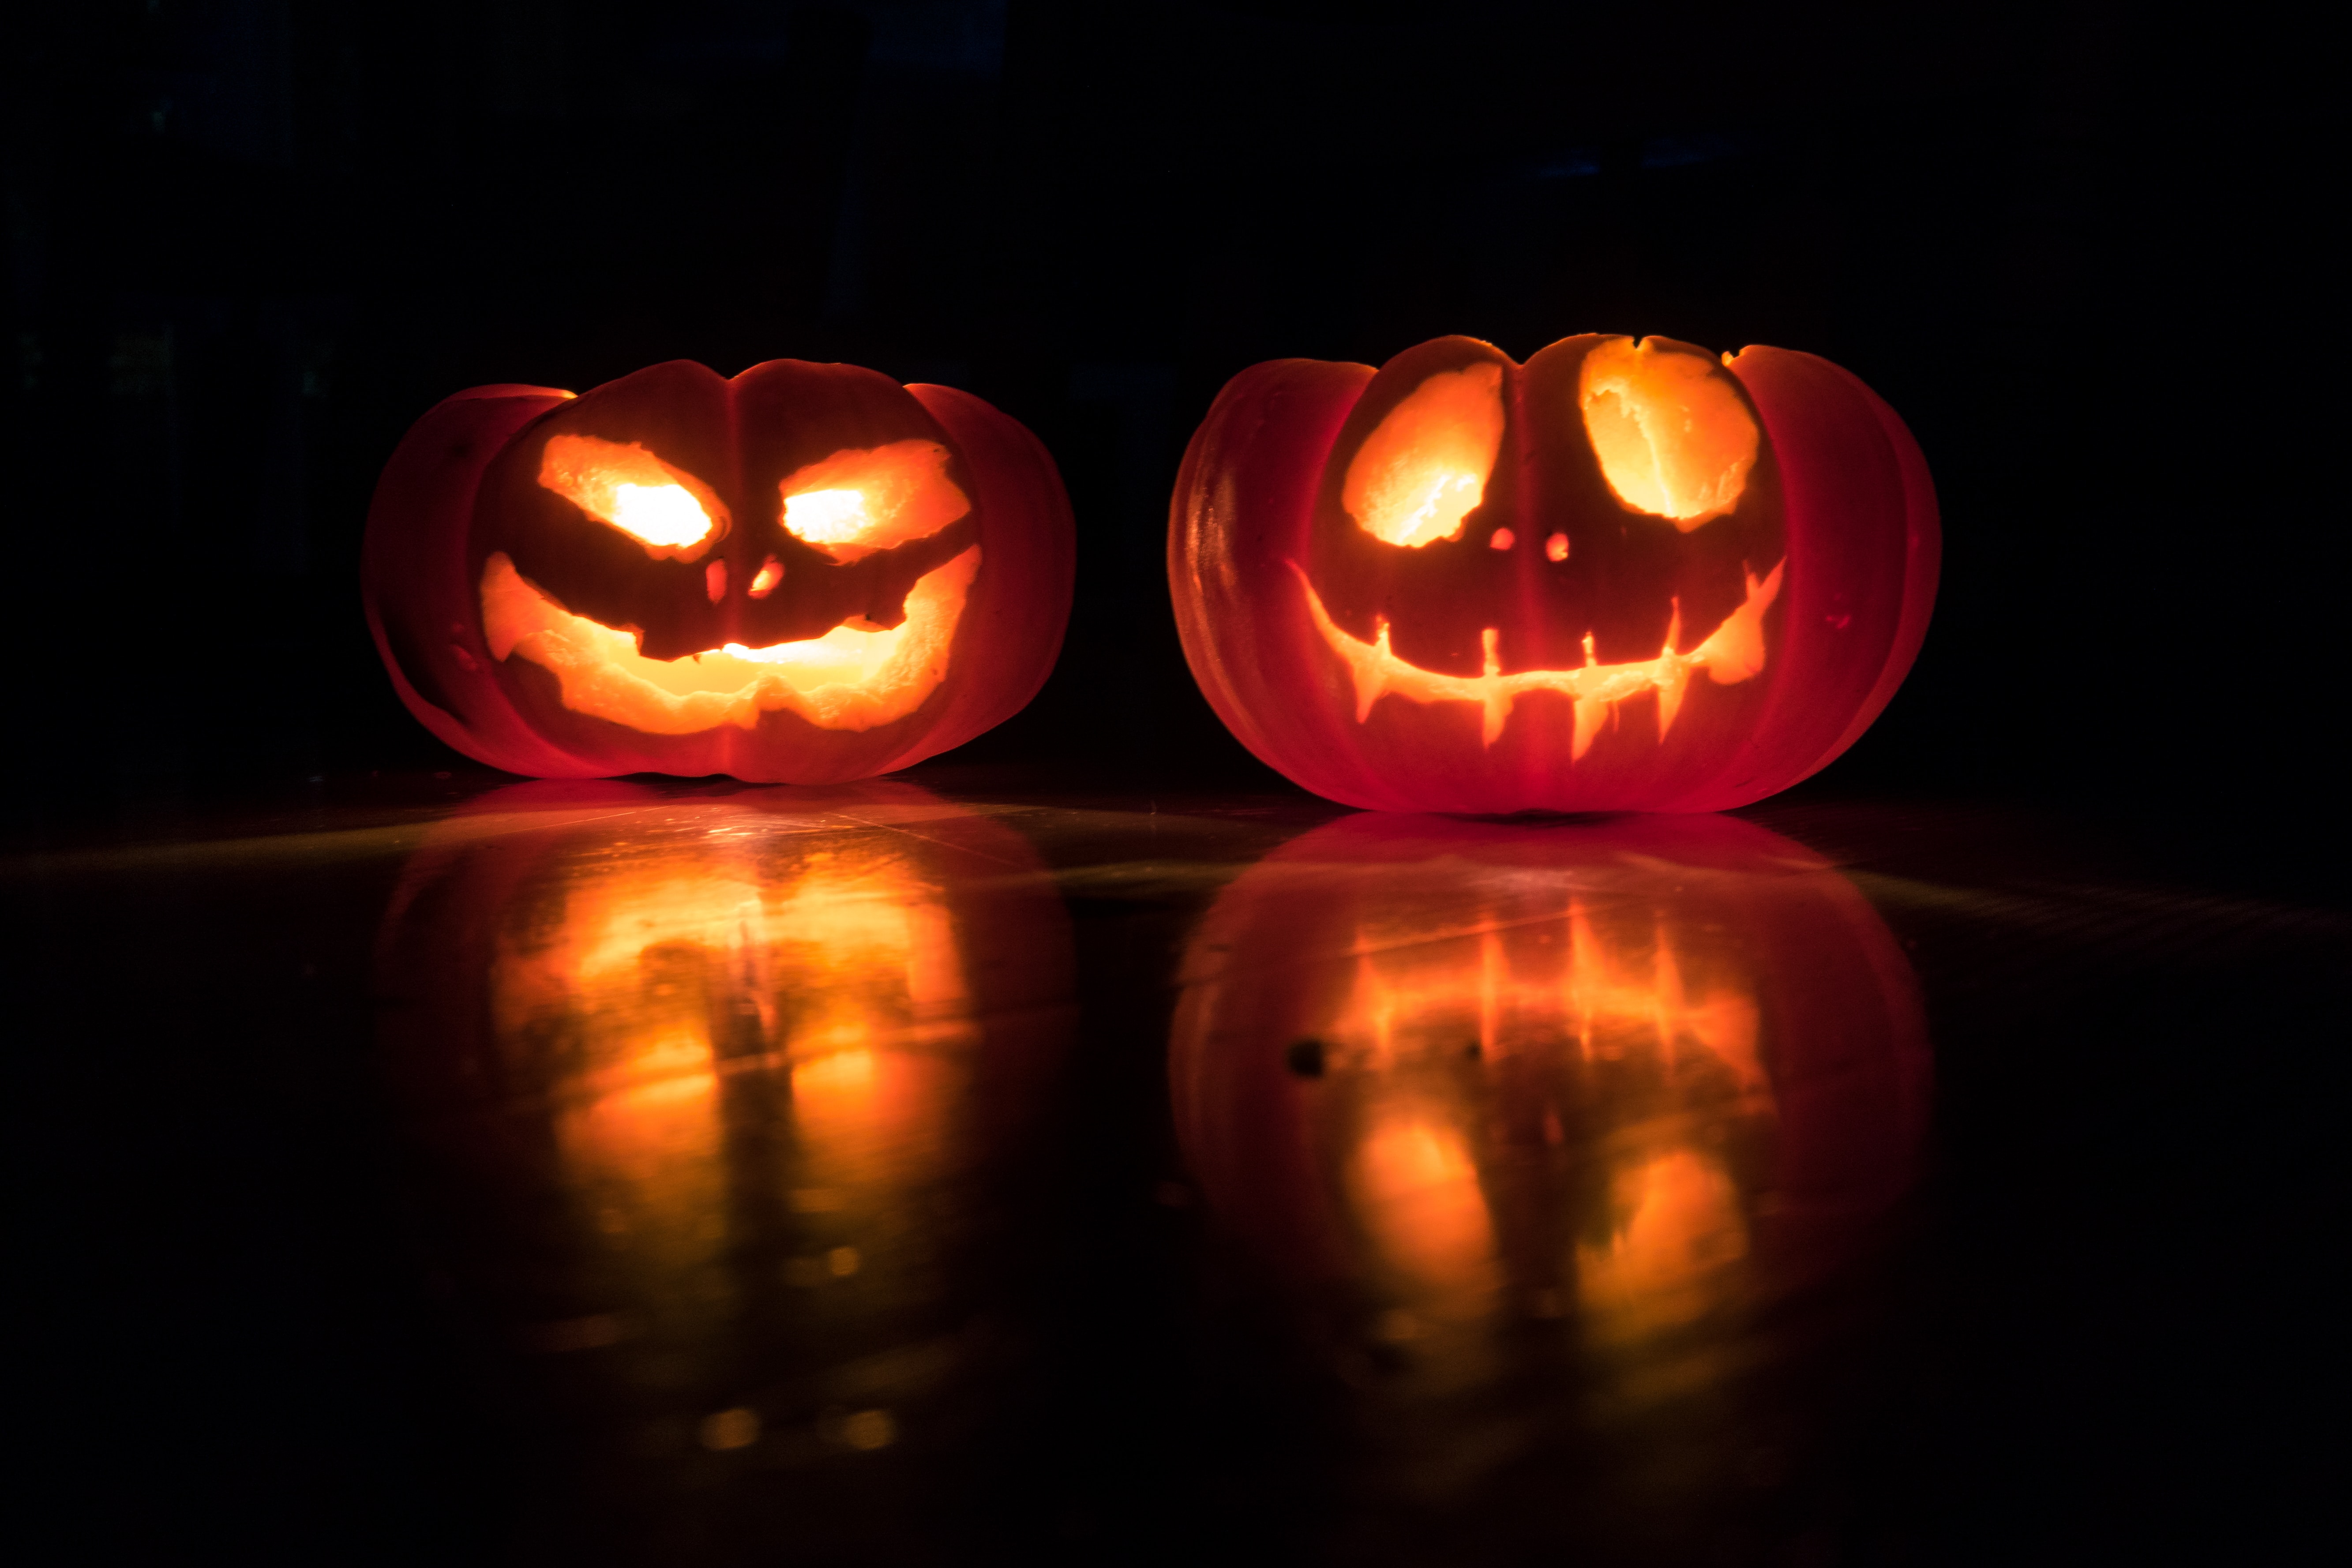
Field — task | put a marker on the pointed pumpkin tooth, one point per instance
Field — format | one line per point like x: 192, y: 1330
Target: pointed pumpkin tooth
x: 1597, y: 690
x: 1672, y: 688
x: 1591, y: 712
x: 1494, y: 699
x: 1371, y: 676
x: 1497, y: 712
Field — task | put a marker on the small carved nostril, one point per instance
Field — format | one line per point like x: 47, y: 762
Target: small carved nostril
x: 763, y: 583
x: 1556, y: 547
x: 1502, y: 539
x: 714, y: 580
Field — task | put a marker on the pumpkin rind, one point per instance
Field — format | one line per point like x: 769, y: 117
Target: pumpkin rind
x: 1838, y: 492
x: 464, y: 500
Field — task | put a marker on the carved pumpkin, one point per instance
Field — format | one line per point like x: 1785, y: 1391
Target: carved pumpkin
x: 711, y: 1103
x: 1451, y: 1080
x: 808, y: 573
x: 1622, y: 576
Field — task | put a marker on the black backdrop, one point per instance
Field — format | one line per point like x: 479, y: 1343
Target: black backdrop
x: 251, y: 240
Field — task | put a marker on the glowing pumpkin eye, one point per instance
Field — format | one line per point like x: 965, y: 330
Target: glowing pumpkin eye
x: 1424, y: 469
x: 667, y: 509
x: 659, y: 514
x: 872, y: 498
x: 1674, y: 437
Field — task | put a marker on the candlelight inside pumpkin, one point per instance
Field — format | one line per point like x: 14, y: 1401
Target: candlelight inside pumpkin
x: 854, y: 502
x: 667, y: 509
x: 855, y: 675
x: 1673, y: 437
x: 1424, y: 470
x: 1732, y: 652
x: 1673, y: 440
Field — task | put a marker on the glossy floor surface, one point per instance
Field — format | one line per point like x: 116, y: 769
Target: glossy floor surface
x: 973, y: 1172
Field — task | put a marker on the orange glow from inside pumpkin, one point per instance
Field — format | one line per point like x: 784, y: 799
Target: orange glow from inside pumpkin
x: 764, y: 581
x: 1424, y: 467
x: 1417, y: 1189
x: 665, y: 980
x: 1675, y: 438
x: 855, y: 677
x: 828, y: 517
x: 867, y: 498
x: 1451, y: 1024
x: 1732, y: 653
x: 667, y: 509
x: 1676, y: 1224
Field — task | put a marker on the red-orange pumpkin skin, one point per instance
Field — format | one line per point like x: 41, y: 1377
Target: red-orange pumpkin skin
x: 448, y: 499
x: 1839, y: 493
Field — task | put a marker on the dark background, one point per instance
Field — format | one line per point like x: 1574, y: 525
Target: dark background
x: 2078, y: 247
x: 251, y: 241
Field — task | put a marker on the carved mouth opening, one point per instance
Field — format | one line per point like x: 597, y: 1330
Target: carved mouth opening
x: 855, y: 677
x: 1732, y: 653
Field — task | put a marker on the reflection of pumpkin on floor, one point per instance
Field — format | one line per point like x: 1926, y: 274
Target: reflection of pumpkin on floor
x: 720, y: 1093
x: 1583, y: 1029
x: 1455, y: 1079
x: 812, y: 1031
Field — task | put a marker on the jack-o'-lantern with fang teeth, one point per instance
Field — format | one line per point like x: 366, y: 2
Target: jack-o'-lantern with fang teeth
x: 1624, y: 575
x: 804, y: 574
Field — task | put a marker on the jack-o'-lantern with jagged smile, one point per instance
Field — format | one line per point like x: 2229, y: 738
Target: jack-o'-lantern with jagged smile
x: 804, y: 574
x: 1624, y: 575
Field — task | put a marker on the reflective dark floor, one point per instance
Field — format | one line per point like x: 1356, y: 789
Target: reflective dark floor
x: 964, y: 1170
